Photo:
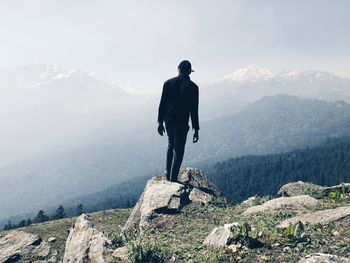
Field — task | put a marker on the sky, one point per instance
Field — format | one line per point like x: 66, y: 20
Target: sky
x: 142, y: 42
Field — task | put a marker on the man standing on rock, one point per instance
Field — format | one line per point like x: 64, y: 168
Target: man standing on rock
x: 178, y: 102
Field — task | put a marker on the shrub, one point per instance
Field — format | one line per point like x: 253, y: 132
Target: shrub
x: 145, y: 252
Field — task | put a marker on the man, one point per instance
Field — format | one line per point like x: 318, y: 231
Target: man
x: 178, y: 102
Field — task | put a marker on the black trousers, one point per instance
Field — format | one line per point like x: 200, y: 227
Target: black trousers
x: 177, y: 135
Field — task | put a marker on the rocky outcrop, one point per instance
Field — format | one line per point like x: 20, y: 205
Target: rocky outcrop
x: 298, y: 188
x: 19, y: 246
x: 322, y: 216
x: 324, y: 258
x: 161, y: 197
x: 121, y: 254
x: 302, y: 188
x: 219, y: 236
x: 299, y: 204
x: 249, y: 201
x: 85, y: 243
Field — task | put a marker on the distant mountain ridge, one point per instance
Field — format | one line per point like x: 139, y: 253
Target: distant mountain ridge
x: 272, y: 125
x: 69, y: 133
x: 247, y: 85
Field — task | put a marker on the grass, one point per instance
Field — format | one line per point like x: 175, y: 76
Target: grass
x: 180, y: 237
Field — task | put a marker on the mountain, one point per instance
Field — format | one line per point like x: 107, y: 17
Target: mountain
x: 242, y: 177
x: 49, y: 108
x: 247, y: 85
x: 271, y: 125
x: 67, y: 133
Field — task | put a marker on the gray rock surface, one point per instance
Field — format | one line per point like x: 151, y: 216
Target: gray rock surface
x: 322, y: 216
x: 299, y: 204
x: 302, y: 188
x: 249, y: 201
x: 340, y: 187
x: 219, y: 236
x: 161, y: 197
x: 19, y: 246
x: 323, y: 258
x: 297, y: 188
x: 121, y: 254
x: 85, y: 243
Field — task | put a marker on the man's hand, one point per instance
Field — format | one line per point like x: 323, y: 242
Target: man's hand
x: 195, y: 136
x: 161, y: 129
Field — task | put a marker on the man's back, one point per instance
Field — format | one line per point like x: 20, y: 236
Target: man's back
x: 179, y: 101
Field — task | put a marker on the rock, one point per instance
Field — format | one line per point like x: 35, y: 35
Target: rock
x: 220, y: 236
x: 51, y: 239
x: 322, y: 216
x: 198, y: 196
x: 121, y: 253
x: 249, y: 201
x: 302, y: 188
x: 340, y: 187
x: 298, y: 188
x: 19, y: 246
x: 299, y: 204
x: 195, y: 178
x: 85, y: 243
x: 161, y: 197
x: 323, y: 258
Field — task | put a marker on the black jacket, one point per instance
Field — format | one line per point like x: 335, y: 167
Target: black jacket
x: 179, y: 101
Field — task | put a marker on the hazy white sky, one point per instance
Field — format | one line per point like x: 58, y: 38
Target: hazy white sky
x: 143, y: 41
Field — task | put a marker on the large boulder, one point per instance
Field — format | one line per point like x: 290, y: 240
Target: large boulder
x: 85, y: 243
x: 161, y: 197
x: 220, y: 236
x: 298, y: 188
x: 322, y: 216
x: 302, y: 188
x: 324, y: 258
x: 19, y: 246
x: 299, y: 204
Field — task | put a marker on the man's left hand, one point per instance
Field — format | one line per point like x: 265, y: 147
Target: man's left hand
x: 161, y: 129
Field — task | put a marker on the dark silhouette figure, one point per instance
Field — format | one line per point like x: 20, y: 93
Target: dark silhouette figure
x: 179, y: 101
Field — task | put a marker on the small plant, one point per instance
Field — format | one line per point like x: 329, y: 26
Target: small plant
x: 117, y: 239
x: 335, y: 195
x: 241, y: 234
x: 259, y: 200
x: 296, y: 233
x: 145, y: 252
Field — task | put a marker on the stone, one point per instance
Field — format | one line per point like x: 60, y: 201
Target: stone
x: 249, y: 201
x: 19, y: 246
x: 232, y: 248
x: 121, y: 253
x: 302, y: 188
x: 85, y: 243
x: 299, y: 204
x: 341, y: 213
x: 298, y: 188
x: 51, y: 239
x: 340, y: 187
x: 161, y: 197
x: 195, y: 178
x: 323, y: 258
x: 220, y: 236
x: 198, y: 196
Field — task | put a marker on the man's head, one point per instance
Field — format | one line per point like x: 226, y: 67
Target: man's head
x: 185, y: 67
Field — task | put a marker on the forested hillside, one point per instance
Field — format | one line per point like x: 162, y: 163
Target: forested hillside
x: 241, y: 177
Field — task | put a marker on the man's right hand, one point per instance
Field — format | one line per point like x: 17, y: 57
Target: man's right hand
x: 161, y: 129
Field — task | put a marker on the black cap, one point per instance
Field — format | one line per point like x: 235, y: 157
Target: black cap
x: 185, y: 67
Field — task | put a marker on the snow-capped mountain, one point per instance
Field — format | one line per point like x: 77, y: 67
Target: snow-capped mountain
x: 49, y: 106
x: 253, y: 73
x: 247, y: 85
x: 72, y: 89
